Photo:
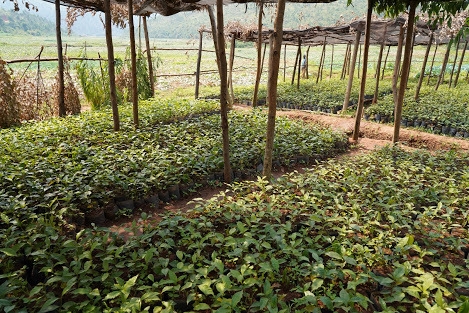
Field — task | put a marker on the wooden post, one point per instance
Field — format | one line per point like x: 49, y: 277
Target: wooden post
x: 405, y: 71
x: 213, y: 24
x: 359, y: 61
x: 150, y: 62
x: 441, y: 78
x: 385, y: 62
x: 433, y: 62
x: 454, y: 63
x: 351, y: 71
x: 397, y: 65
x: 424, y: 65
x: 361, y: 96
x: 111, y: 65
x: 60, y: 59
x: 274, y: 60
x: 223, y: 91
x: 346, y: 61
x: 259, y: 53
x: 460, y: 64
x: 263, y: 56
x: 297, y: 59
x: 299, y: 64
x: 199, y: 59
x: 321, y: 61
x: 307, y: 62
x: 332, y: 61
x: 133, y: 60
x: 230, y: 74
x: 284, y: 62
x: 378, y: 67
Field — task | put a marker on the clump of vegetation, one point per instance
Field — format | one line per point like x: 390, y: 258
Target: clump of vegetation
x: 71, y: 96
x: 9, y: 106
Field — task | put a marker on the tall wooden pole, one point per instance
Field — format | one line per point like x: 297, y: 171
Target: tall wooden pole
x: 385, y: 62
x: 150, y: 62
x: 454, y: 63
x: 133, y: 60
x: 60, y: 59
x: 361, y: 96
x: 297, y: 59
x: 332, y: 61
x: 397, y: 65
x: 321, y: 61
x: 424, y: 65
x: 199, y: 59
x: 274, y: 61
x: 441, y: 78
x: 111, y: 65
x: 433, y: 62
x: 223, y: 91
x: 307, y: 62
x: 405, y: 71
x: 352, y: 69
x: 230, y: 69
x: 378, y: 67
x: 299, y: 64
x: 284, y: 62
x: 460, y: 64
x: 259, y: 53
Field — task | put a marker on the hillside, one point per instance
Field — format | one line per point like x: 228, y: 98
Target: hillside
x: 24, y: 22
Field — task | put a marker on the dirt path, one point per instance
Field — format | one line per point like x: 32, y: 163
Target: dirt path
x: 372, y: 136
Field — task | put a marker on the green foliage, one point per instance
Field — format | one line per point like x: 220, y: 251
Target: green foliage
x: 9, y: 106
x: 79, y: 164
x: 384, y: 232
x: 24, y: 23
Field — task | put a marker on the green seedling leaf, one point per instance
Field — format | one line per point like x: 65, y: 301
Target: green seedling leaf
x: 112, y: 295
x: 201, y: 306
x: 236, y: 298
x: 205, y: 287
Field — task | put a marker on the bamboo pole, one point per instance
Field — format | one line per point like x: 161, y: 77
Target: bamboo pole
x: 397, y: 65
x: 424, y: 65
x: 259, y: 53
x: 149, y: 61
x: 111, y: 64
x: 441, y: 78
x: 133, y: 58
x: 460, y: 64
x: 454, y: 62
x: 199, y: 60
x: 351, y: 71
x: 433, y: 62
x: 405, y: 71
x: 361, y: 96
x: 61, y: 96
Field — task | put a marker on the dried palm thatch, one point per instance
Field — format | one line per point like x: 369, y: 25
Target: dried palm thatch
x: 9, y: 107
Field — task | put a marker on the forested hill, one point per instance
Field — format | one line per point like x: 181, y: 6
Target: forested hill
x: 186, y: 24
x: 23, y: 22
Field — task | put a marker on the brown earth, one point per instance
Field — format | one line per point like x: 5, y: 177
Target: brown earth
x: 372, y: 136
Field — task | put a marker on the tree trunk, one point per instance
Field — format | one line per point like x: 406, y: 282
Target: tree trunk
x: 223, y: 92
x: 274, y: 60
x: 149, y: 60
x: 460, y: 64
x: 60, y: 59
x: 378, y: 69
x: 259, y: 53
x: 133, y: 60
x: 433, y: 62
x: 397, y: 65
x: 424, y: 65
x: 361, y: 96
x: 199, y: 60
x: 454, y: 63
x: 405, y: 71
x: 111, y: 65
x: 351, y: 71
x: 441, y: 78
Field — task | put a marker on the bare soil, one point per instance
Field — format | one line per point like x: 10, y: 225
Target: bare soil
x: 372, y: 136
